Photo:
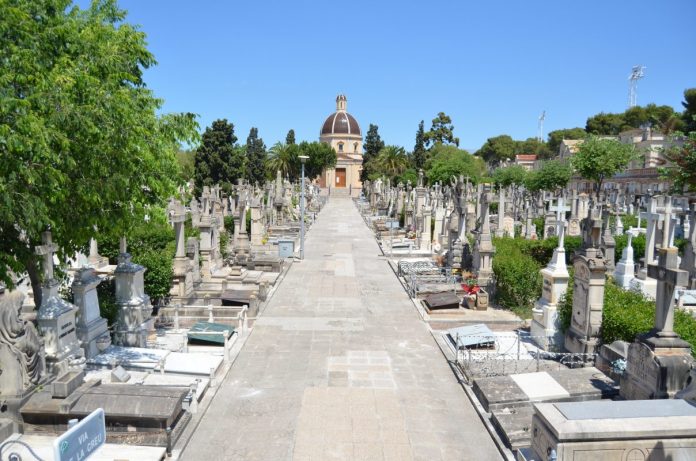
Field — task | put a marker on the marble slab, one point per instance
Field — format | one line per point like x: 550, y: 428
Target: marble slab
x: 198, y: 364
x: 129, y: 358
x: 540, y: 386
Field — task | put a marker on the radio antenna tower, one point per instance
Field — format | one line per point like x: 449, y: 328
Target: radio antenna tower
x: 636, y: 74
x: 542, y: 117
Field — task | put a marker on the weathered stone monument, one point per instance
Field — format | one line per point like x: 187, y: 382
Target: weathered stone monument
x: 134, y: 308
x: 182, y: 283
x: 588, y: 294
x: 545, y: 328
x: 92, y: 329
x: 658, y: 362
x: 56, y: 317
x: 22, y: 361
x: 625, y: 269
x: 483, y: 248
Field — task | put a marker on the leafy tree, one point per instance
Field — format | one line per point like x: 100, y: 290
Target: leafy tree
x: 683, y: 171
x: 448, y: 161
x: 290, y: 138
x: 557, y: 136
x: 605, y: 124
x: 373, y: 144
x: 419, y: 152
x: 81, y: 143
x: 408, y: 175
x: 391, y: 162
x: 535, y: 147
x: 689, y: 114
x: 217, y: 160
x: 513, y: 175
x: 441, y: 131
x: 284, y: 157
x: 497, y: 149
x: 321, y: 156
x: 186, y: 160
x: 552, y: 176
x: 256, y: 157
x: 598, y: 159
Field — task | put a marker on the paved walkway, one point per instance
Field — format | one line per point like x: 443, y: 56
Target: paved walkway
x: 340, y: 366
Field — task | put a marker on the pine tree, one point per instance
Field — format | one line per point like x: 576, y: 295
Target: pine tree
x: 419, y: 148
x: 442, y: 131
x: 256, y: 157
x: 373, y: 144
x: 217, y: 161
x: 290, y: 138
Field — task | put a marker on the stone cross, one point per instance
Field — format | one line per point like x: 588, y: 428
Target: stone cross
x: 123, y: 245
x: 560, y: 210
x: 668, y: 277
x: 47, y: 250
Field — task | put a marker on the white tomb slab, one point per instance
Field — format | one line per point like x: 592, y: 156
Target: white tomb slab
x: 540, y: 386
x: 154, y: 379
x: 199, y: 364
x: 130, y: 358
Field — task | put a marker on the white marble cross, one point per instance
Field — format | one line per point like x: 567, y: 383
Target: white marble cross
x: 47, y: 250
x: 560, y: 210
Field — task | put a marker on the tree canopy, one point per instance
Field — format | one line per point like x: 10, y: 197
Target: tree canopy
x: 391, y: 161
x: 218, y: 159
x: 553, y: 175
x: 683, y: 171
x: 513, y: 175
x: 689, y: 115
x: 82, y: 144
x: 448, y: 161
x: 419, y: 153
x: 598, y: 159
x: 441, y: 131
x: 373, y: 144
x: 557, y: 136
x: 662, y: 118
x: 497, y: 149
x: 290, y: 137
x: 321, y: 156
x: 284, y: 158
x: 255, y: 157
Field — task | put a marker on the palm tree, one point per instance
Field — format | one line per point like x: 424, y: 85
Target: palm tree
x: 391, y: 161
x: 283, y: 157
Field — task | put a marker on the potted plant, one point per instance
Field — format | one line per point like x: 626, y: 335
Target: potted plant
x: 471, y: 289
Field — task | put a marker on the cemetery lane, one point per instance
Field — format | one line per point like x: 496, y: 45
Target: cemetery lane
x: 340, y: 366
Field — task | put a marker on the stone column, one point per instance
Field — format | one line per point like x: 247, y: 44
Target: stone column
x: 92, y: 329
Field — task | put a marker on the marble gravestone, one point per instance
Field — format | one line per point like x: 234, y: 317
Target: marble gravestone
x: 658, y: 363
x: 56, y: 317
x: 613, y: 431
x: 22, y: 355
x: 92, y: 329
x: 545, y: 329
x: 134, y: 308
x: 182, y: 283
x: 625, y: 269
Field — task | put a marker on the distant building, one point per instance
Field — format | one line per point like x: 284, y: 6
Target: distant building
x: 527, y: 161
x: 642, y: 174
x: 342, y: 132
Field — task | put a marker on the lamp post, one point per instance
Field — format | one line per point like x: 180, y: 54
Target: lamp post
x: 303, y: 159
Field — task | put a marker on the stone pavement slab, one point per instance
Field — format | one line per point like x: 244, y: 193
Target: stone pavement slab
x: 340, y: 367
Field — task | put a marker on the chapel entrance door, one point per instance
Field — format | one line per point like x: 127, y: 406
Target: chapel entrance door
x: 340, y: 177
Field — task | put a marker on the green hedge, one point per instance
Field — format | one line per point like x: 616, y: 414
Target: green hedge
x: 627, y: 314
x: 517, y: 277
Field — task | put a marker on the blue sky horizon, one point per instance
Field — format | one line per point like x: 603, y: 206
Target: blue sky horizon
x: 492, y: 66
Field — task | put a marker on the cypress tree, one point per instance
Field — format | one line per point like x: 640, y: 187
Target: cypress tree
x: 256, y: 157
x: 419, y: 148
x: 373, y: 144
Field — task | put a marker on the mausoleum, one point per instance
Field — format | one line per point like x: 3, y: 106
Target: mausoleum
x: 342, y: 132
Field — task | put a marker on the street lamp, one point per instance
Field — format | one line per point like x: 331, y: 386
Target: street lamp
x: 303, y: 159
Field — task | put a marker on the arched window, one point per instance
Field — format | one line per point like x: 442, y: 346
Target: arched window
x: 340, y: 147
x: 355, y: 147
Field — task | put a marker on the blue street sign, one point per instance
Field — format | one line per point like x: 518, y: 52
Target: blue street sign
x: 81, y: 440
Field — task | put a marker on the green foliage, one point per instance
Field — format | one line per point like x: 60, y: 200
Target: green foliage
x: 106, y: 293
x: 373, y: 144
x: 517, y: 278
x: 408, y: 175
x: 662, y: 118
x: 448, y: 161
x: 321, y: 156
x: 540, y: 250
x: 513, y: 175
x: 419, y: 153
x: 290, y: 137
x: 218, y: 159
x: 224, y: 241
x: 557, y: 136
x: 683, y: 170
x: 598, y: 159
x: 284, y: 158
x: 256, y: 157
x: 229, y: 224
x: 158, y: 277
x: 552, y: 175
x: 497, y: 149
x: 391, y: 162
x: 248, y: 221
x: 81, y: 144
x: 441, y: 131
x: 186, y: 160
x: 534, y: 146
x: 689, y: 115
x: 638, y: 244
x: 539, y: 226
x: 565, y: 304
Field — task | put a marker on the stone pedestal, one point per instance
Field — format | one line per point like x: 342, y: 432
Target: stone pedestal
x: 625, y: 269
x: 92, y: 329
x: 57, y: 323
x: 134, y: 305
x: 545, y: 324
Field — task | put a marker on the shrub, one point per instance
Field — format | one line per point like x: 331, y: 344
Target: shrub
x: 638, y: 244
x: 517, y: 278
x: 158, y: 277
x: 229, y: 224
x: 539, y: 225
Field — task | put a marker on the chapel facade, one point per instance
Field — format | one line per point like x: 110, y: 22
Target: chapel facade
x: 342, y: 132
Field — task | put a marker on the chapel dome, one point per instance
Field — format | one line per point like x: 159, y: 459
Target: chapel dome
x: 340, y: 122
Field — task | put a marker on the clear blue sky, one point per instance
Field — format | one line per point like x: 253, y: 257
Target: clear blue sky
x: 492, y: 65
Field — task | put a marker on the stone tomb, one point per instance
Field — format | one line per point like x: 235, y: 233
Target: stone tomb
x: 440, y: 301
x: 509, y: 398
x: 92, y: 329
x: 613, y: 431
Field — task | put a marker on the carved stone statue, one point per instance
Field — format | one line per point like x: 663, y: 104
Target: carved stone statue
x: 22, y: 361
